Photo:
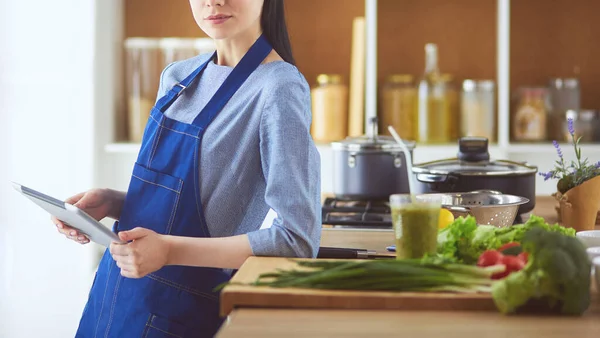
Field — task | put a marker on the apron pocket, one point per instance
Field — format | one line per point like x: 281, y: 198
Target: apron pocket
x: 159, y: 327
x: 152, y: 200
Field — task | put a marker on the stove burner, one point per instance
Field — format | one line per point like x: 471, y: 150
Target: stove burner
x: 375, y: 214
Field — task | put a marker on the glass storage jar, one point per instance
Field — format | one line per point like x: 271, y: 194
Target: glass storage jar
x: 530, y: 119
x: 143, y: 68
x: 478, y: 109
x: 177, y: 49
x: 399, y: 106
x: 330, y: 109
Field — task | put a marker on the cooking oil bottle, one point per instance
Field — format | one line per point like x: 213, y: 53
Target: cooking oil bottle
x: 434, y: 106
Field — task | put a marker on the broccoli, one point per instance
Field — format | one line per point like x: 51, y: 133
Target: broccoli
x: 557, y: 273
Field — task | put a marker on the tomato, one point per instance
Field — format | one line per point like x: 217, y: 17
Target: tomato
x: 508, y: 245
x: 489, y: 258
x: 524, y: 257
x: 513, y: 263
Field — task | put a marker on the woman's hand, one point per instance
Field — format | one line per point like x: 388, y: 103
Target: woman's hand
x: 146, y: 253
x: 98, y: 203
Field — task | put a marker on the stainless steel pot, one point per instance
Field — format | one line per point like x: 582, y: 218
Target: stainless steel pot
x: 472, y: 170
x: 369, y: 168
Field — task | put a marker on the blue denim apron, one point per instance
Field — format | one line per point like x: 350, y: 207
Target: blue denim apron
x: 164, y: 196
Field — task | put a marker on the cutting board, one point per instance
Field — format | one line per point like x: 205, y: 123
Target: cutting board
x: 236, y: 296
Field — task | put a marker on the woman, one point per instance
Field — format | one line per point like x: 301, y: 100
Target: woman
x: 227, y: 140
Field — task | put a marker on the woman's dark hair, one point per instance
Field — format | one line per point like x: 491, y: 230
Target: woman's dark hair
x: 275, y: 29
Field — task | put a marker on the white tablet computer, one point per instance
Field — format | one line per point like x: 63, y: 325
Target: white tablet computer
x: 71, y: 215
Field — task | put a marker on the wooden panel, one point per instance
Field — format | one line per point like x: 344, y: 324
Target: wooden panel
x: 249, y: 296
x: 557, y: 38
x: 320, y: 31
x: 464, y: 30
x: 321, y: 35
x: 160, y: 18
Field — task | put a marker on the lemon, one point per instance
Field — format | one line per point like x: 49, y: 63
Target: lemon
x: 446, y: 218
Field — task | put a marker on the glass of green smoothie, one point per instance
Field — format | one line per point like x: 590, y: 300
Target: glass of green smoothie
x: 415, y: 222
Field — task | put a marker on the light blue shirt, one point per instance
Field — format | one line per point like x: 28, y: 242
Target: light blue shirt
x: 256, y: 155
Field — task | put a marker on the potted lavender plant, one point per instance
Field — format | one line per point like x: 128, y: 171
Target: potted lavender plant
x: 578, y: 188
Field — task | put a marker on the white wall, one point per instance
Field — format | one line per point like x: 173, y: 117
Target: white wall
x: 47, y: 141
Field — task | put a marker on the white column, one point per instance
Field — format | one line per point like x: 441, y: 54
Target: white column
x: 371, y: 63
x: 503, y: 72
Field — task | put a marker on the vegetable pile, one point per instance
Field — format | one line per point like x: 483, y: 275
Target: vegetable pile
x: 464, y: 241
x: 385, y: 275
x: 557, y: 273
x: 534, y: 262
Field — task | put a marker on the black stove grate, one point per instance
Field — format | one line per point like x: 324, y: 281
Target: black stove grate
x: 375, y: 214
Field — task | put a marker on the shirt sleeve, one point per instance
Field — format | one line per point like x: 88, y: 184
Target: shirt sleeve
x: 292, y: 169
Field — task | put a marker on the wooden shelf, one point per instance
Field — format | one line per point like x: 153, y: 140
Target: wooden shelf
x: 465, y: 32
x: 556, y: 39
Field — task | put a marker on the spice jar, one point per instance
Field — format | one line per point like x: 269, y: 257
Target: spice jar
x: 330, y: 109
x: 478, y: 107
x: 399, y: 106
x: 143, y: 68
x: 529, y: 123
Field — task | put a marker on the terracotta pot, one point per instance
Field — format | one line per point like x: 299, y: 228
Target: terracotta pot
x: 579, y: 206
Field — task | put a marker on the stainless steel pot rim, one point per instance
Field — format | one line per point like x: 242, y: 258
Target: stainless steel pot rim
x: 524, y: 169
x: 513, y: 200
x: 364, y: 143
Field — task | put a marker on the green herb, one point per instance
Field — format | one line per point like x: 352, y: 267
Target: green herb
x: 383, y: 275
x: 557, y: 273
x: 577, y: 172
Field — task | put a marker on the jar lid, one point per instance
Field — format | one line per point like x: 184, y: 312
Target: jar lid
x: 377, y: 143
x: 324, y: 79
x: 400, y: 78
x: 562, y: 83
x: 483, y: 168
x: 142, y: 43
x: 177, y: 43
x: 583, y: 115
x: 205, y: 45
x: 470, y: 85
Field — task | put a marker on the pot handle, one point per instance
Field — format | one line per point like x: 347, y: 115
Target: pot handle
x: 432, y: 178
x: 456, y: 208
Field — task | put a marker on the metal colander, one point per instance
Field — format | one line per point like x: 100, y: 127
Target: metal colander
x: 488, y: 207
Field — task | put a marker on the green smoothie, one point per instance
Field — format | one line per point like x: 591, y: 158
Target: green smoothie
x: 416, y: 228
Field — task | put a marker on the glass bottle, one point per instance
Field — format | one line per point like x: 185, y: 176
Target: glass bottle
x: 433, y: 106
x: 529, y: 123
x: 399, y: 106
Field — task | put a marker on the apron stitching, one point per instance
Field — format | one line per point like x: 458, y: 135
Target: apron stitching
x: 145, y: 332
x: 159, y: 185
x: 102, y: 306
x: 112, y: 309
x: 170, y: 225
x: 160, y: 128
x: 163, y: 331
x: 197, y: 186
x: 177, y: 131
x: 182, y: 287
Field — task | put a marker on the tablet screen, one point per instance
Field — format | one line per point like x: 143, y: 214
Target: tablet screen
x: 43, y: 197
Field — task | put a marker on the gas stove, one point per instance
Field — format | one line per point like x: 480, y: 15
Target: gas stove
x: 342, y: 213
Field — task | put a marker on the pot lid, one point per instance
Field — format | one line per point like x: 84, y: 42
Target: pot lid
x: 481, y: 168
x: 365, y: 143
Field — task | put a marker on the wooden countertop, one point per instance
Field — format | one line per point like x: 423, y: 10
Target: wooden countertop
x: 267, y: 323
